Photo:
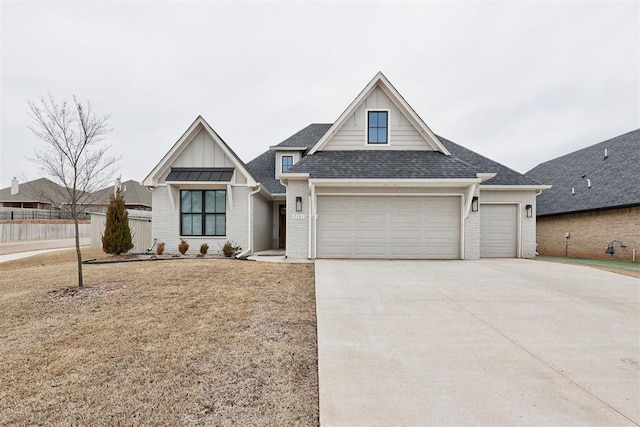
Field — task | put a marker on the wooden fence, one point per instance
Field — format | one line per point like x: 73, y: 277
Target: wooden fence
x: 26, y: 230
x: 139, y: 223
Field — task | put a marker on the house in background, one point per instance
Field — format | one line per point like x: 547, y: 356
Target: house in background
x: 377, y: 183
x: 44, y: 199
x: 36, y: 194
x: 136, y: 196
x: 593, y: 207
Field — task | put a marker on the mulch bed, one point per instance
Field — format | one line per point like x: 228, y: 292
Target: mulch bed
x: 150, y: 257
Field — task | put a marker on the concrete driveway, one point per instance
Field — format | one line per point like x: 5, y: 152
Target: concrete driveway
x: 489, y: 342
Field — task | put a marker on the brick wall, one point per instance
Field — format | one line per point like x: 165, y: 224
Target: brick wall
x: 590, y: 232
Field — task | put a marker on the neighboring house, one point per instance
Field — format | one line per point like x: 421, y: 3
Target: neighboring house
x: 377, y: 183
x: 36, y: 194
x: 594, y: 203
x: 136, y: 196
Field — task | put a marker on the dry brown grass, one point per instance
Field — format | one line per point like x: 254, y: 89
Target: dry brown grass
x: 188, y: 342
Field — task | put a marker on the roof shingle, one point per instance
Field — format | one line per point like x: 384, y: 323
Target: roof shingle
x: 262, y: 168
x: 615, y: 180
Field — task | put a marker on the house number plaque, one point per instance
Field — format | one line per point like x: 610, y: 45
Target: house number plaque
x: 299, y: 216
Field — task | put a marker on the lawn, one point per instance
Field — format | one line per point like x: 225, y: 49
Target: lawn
x: 628, y: 268
x: 183, y: 342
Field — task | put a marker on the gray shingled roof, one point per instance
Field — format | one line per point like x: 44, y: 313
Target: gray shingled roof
x: 134, y: 194
x: 463, y: 163
x: 38, y: 190
x: 380, y: 164
x: 615, y: 180
x: 505, y: 175
x: 262, y: 168
x: 307, y: 137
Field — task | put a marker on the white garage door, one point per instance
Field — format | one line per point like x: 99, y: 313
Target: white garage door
x: 498, y: 231
x: 388, y: 227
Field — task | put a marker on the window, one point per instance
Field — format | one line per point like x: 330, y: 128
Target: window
x: 377, y: 127
x: 287, y: 162
x: 203, y: 212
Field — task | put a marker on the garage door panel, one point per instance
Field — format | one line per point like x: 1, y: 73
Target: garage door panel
x: 498, y: 231
x: 389, y: 227
x: 377, y: 235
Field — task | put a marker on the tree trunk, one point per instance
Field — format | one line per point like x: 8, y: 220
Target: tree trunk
x: 78, y: 253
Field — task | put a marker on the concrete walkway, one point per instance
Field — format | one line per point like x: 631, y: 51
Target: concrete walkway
x: 10, y: 251
x: 490, y: 342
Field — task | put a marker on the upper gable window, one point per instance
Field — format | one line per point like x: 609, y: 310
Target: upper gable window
x: 287, y: 162
x: 377, y: 127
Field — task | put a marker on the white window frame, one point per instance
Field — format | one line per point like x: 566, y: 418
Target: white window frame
x: 366, y: 127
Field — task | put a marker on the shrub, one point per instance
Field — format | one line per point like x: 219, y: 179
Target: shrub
x: 160, y: 248
x: 230, y: 249
x: 204, y: 248
x: 183, y: 247
x: 117, y: 235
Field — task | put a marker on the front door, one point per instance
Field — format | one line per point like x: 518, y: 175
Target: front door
x: 282, y: 227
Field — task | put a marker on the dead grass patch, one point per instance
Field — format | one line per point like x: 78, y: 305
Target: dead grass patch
x: 196, y: 342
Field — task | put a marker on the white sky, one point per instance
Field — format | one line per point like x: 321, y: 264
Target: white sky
x: 519, y: 82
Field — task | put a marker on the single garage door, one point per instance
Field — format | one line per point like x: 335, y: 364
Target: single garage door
x: 393, y: 227
x: 498, y: 231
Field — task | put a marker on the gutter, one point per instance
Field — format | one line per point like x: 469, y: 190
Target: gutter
x: 249, y: 224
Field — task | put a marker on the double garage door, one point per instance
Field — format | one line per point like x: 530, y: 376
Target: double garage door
x: 390, y: 227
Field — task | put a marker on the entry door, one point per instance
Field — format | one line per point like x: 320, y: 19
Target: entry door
x: 282, y: 227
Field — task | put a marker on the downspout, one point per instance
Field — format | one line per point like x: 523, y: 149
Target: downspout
x: 249, y: 224
x: 286, y: 188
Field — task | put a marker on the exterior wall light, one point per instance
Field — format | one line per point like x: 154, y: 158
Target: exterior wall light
x: 474, y: 204
x: 298, y: 204
x: 529, y: 209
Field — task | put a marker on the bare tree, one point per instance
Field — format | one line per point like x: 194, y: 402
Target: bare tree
x: 72, y: 155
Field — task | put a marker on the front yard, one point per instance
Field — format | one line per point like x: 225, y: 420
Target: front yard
x: 189, y: 342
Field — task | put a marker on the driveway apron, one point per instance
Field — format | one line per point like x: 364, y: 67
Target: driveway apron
x: 489, y: 342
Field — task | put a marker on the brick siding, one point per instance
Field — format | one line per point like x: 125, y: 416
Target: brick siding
x: 590, y: 232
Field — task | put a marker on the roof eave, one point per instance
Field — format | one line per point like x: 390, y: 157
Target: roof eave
x: 396, y: 182
x: 505, y: 187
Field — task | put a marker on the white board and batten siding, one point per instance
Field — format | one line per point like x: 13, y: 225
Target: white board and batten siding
x: 203, y: 151
x: 498, y: 230
x: 352, y: 135
x: 400, y: 227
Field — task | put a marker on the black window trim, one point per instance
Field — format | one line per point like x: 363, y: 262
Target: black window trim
x: 204, y: 212
x: 282, y: 162
x: 376, y: 110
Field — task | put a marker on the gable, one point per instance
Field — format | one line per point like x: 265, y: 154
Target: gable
x: 405, y: 130
x: 402, y: 134
x: 202, y: 151
x: 199, y: 147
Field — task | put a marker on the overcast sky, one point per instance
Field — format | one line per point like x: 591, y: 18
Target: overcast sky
x: 519, y: 82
